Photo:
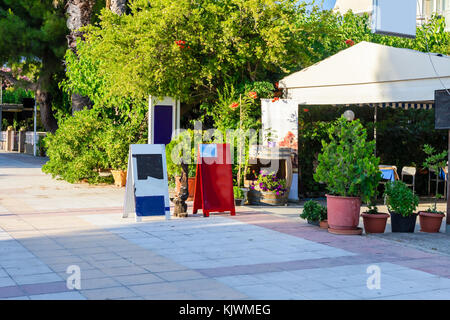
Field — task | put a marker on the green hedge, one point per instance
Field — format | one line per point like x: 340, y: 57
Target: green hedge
x: 88, y: 142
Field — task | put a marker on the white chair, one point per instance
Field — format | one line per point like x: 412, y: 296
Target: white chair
x: 410, y: 171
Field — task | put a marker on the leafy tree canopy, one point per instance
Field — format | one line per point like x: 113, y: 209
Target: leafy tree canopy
x: 190, y: 48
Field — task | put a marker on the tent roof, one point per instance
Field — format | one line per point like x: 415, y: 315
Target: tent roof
x: 357, y: 6
x: 370, y: 73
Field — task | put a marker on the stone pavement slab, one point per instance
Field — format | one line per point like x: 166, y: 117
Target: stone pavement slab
x: 47, y: 225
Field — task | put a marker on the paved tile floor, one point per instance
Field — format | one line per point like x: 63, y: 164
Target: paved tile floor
x: 48, y: 225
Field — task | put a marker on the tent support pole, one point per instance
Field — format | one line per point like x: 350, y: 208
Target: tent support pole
x: 375, y: 128
x: 448, y: 184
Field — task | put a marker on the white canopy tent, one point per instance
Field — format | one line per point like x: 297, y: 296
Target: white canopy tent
x: 375, y: 75
x: 369, y: 73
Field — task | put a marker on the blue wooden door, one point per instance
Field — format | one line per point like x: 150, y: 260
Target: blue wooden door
x: 162, y: 121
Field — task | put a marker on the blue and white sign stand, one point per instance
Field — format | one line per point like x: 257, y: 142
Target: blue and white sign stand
x: 147, y: 190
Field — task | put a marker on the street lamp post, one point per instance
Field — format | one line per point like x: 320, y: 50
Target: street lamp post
x: 349, y: 115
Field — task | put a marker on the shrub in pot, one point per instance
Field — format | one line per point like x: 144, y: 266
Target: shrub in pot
x: 239, y: 197
x: 431, y: 220
x: 374, y: 221
x: 401, y: 203
x: 349, y: 168
x: 313, y: 212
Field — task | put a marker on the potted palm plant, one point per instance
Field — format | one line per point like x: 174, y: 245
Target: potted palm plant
x: 374, y: 221
x: 431, y: 219
x: 401, y: 203
x: 313, y: 212
x: 349, y: 168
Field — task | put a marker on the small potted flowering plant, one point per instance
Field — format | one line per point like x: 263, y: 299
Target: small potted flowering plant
x: 268, y: 189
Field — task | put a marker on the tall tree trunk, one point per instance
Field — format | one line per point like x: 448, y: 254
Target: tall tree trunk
x: 42, y: 88
x: 48, y: 119
x: 119, y: 7
x: 79, y: 15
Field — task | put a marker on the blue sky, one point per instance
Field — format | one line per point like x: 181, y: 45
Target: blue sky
x: 327, y: 4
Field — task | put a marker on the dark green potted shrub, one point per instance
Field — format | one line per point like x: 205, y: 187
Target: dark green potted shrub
x: 349, y: 168
x: 374, y: 221
x: 313, y: 212
x: 239, y: 197
x: 401, y: 203
x: 431, y: 220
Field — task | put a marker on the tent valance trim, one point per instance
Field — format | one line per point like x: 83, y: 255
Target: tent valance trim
x: 394, y: 105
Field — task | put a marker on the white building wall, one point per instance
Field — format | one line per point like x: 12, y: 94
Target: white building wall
x: 425, y: 8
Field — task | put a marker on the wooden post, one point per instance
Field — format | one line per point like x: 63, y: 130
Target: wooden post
x: 448, y: 184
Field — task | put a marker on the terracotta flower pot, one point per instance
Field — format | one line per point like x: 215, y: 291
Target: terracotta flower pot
x: 430, y: 222
x: 375, y: 223
x: 120, y: 177
x: 191, y: 187
x: 323, y: 224
x: 343, y: 214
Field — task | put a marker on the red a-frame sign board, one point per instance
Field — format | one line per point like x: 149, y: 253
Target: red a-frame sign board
x: 214, y: 180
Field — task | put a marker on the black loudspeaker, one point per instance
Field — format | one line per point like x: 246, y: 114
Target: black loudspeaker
x: 28, y: 103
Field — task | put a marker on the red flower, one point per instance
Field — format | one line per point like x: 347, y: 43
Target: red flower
x: 181, y: 43
x: 305, y: 110
x: 234, y: 105
x: 349, y: 42
x: 276, y: 85
x: 253, y: 94
x: 275, y: 99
